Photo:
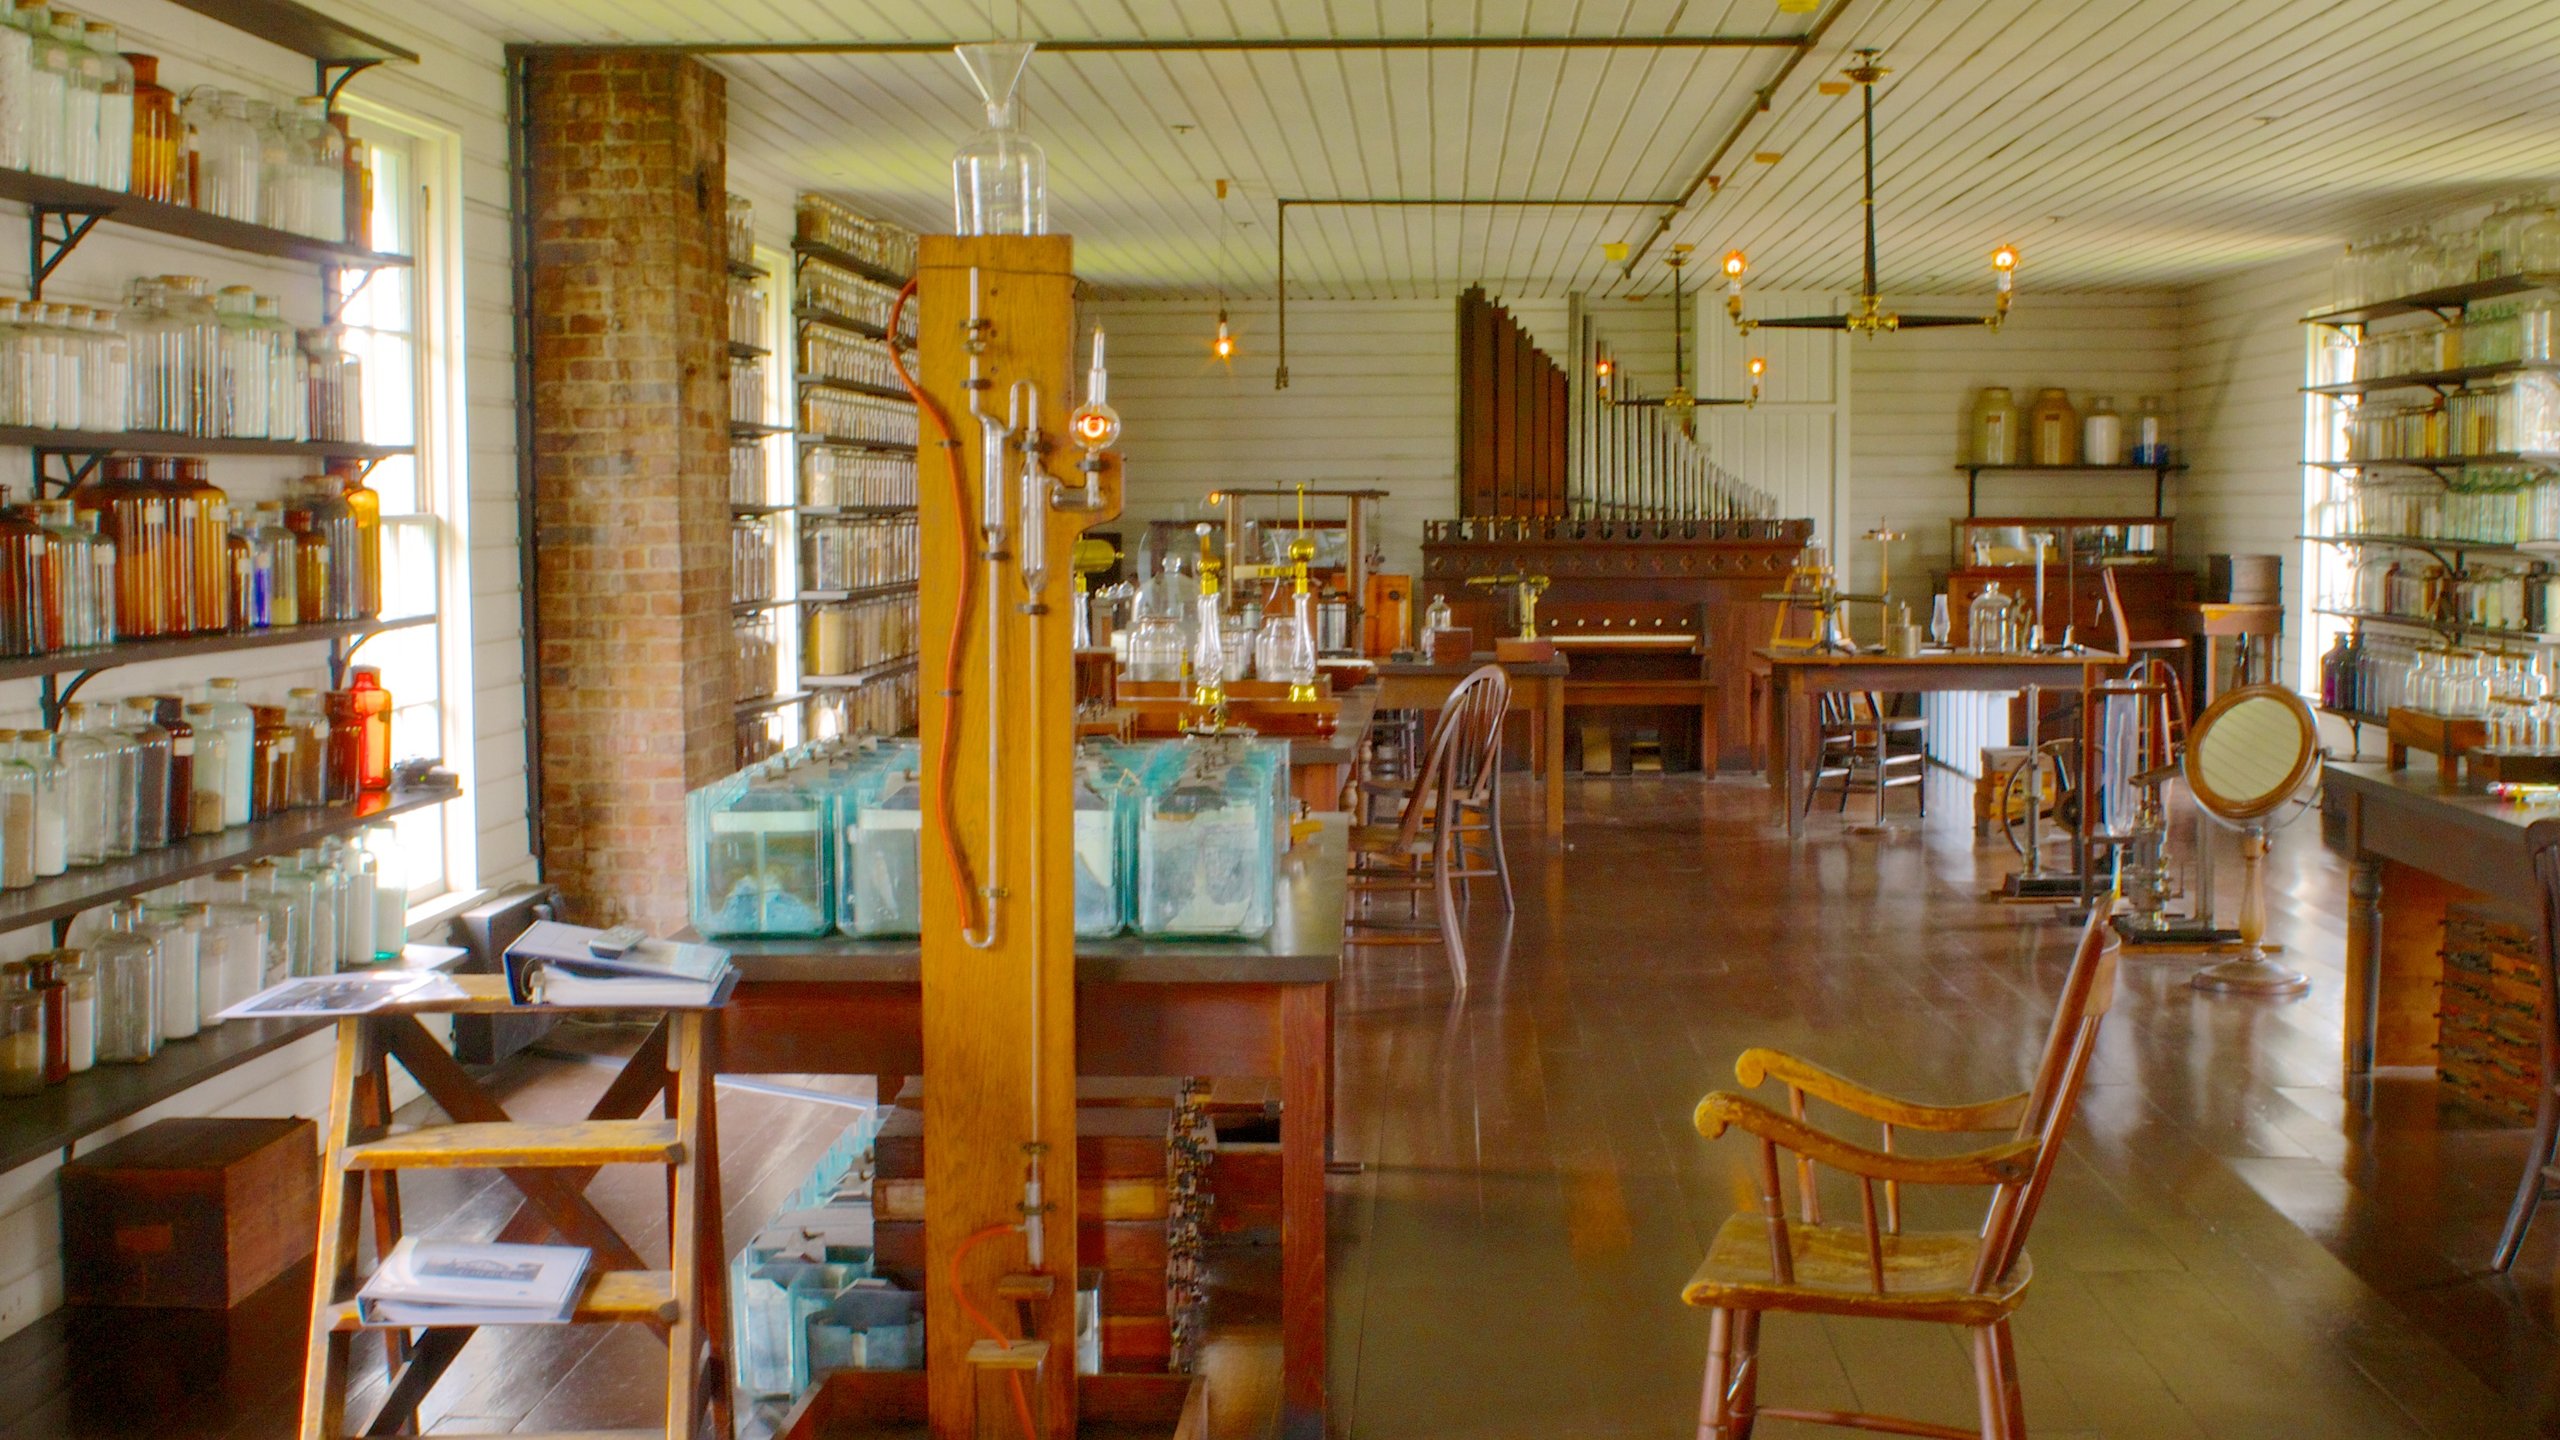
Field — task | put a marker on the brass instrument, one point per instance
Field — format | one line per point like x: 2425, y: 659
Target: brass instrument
x: 1528, y: 589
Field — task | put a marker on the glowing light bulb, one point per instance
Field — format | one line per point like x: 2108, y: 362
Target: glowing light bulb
x: 1734, y: 264
x: 2004, y: 267
x: 1759, y: 366
x: 1224, y: 347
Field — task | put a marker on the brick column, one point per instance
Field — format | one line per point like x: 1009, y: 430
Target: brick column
x: 635, y: 664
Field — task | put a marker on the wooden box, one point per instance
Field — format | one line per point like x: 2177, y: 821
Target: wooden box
x: 2446, y: 737
x: 190, y: 1214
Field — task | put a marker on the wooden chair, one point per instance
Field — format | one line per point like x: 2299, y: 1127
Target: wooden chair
x: 1858, y: 744
x: 1973, y: 1278
x: 1427, y: 847
x: 2542, y: 841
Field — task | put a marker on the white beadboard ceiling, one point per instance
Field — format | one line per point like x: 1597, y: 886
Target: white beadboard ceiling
x: 2121, y: 143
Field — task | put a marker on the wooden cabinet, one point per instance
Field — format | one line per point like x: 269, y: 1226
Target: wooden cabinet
x: 2000, y: 550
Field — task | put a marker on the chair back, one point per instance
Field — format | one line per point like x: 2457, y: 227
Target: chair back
x: 2087, y: 992
x: 1454, y: 752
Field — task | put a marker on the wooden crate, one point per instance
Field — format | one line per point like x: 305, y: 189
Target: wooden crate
x: 190, y: 1214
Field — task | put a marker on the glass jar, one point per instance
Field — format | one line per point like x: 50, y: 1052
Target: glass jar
x: 259, y: 886
x: 325, y: 155
x: 271, y: 750
x: 288, y: 374
x: 25, y: 1039
x: 74, y: 617
x: 337, y: 387
x: 364, y: 511
x: 115, y: 107
x: 202, y: 527
x: 157, y: 138
x: 169, y: 713
x: 2053, y: 429
x: 151, y: 772
x: 178, y: 928
x: 2102, y: 433
x: 23, y: 621
x: 373, y: 709
x: 356, y: 867
x: 88, y: 767
x: 186, y: 301
x: 344, y: 760
x: 276, y: 585
x: 240, y: 565
x: 83, y: 83
x: 17, y: 822
x: 128, y: 967
x: 206, y: 801
x: 306, y: 785
x: 2150, y: 433
x: 124, y: 781
x: 49, y: 84
x: 390, y: 892
x: 17, y: 64
x: 134, y: 519
x: 239, y: 757
x: 327, y: 905
x: 34, y: 750
x: 1995, y: 427
x: 241, y: 381
x: 231, y: 951
x: 318, y: 506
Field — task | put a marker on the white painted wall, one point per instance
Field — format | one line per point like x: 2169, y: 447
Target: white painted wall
x: 459, y: 85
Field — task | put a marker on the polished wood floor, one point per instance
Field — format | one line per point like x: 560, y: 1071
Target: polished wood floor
x: 2231, y: 1250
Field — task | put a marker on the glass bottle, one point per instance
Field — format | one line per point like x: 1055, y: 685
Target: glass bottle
x: 364, y: 510
x: 177, y: 928
x: 318, y: 506
x: 288, y: 373
x: 84, y: 79
x: 287, y: 916
x: 2102, y: 433
x: 23, y: 622
x: 231, y: 949
x: 78, y: 1021
x: 239, y: 729
x: 356, y: 867
x: 151, y: 772
x: 1995, y: 427
x: 999, y: 177
x: 241, y: 366
x: 75, y: 618
x: 133, y: 516
x: 281, y: 194
x: 153, y: 333
x: 359, y: 185
x: 337, y: 387
x: 327, y: 899
x: 206, y: 803
x: 124, y: 781
x: 373, y: 709
x: 203, y: 525
x: 26, y: 1042
x: 48, y: 90
x: 170, y: 714
x: 115, y: 107
x: 325, y: 172
x: 187, y: 301
x: 17, y: 822
x: 114, y: 385
x: 128, y: 964
x: 17, y: 65
x: 2150, y: 433
x: 2053, y: 429
x: 157, y: 136
x: 35, y: 751
x: 271, y: 750
x: 276, y: 587
x: 306, y: 784
x: 240, y: 555
x: 88, y: 765
x: 390, y: 892
x: 345, y: 758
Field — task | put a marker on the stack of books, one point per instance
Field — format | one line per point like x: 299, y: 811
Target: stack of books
x: 572, y: 965
x: 446, y: 1282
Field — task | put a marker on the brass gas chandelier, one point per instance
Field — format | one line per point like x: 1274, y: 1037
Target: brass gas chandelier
x: 1870, y: 317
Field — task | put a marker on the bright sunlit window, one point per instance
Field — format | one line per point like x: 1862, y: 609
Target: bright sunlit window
x: 404, y: 325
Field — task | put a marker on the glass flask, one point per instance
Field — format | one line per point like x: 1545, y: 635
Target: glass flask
x: 373, y: 710
x: 390, y: 892
x: 88, y: 783
x: 128, y: 967
x: 355, y: 904
x: 34, y: 750
x: 999, y: 177
x: 170, y: 714
x: 209, y: 801
x: 178, y: 927
x: 150, y: 773
x: 232, y: 948
x: 239, y: 729
x: 1991, y: 622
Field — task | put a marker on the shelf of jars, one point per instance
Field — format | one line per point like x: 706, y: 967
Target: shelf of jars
x: 865, y: 592
x: 2455, y: 628
x: 46, y: 193
x: 60, y: 897
x: 836, y: 320
x: 2439, y: 464
x: 847, y: 442
x: 744, y: 509
x: 761, y: 704
x: 854, y: 512
x: 741, y: 350
x: 869, y: 270
x: 755, y: 430
x: 869, y: 674
x: 2437, y: 380
x: 747, y: 270
x: 856, y: 387
x: 2438, y: 544
x: 93, y: 658
x: 302, y: 30
x: 34, y: 1126
x: 2441, y: 301
x: 141, y: 442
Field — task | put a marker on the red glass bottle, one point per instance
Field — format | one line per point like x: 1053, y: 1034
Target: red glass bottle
x: 373, y: 711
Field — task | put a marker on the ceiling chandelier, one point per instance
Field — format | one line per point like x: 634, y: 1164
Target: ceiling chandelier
x: 1682, y: 403
x: 1870, y: 317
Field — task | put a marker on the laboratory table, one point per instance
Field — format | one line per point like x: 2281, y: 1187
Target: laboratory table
x: 1537, y: 687
x: 1246, y: 1009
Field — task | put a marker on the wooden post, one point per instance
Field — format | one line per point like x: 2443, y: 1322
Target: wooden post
x: 999, y: 1016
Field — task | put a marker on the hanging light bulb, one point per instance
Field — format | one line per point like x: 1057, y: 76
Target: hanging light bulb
x: 1603, y: 371
x: 1224, y: 347
x: 1759, y: 371
x: 2004, y: 279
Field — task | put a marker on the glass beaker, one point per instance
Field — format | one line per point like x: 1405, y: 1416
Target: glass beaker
x: 999, y: 176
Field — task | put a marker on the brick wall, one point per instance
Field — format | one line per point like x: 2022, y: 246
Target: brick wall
x: 630, y: 406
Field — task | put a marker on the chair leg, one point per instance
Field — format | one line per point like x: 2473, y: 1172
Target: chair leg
x: 2546, y: 1125
x: 1452, y: 926
x: 1714, y: 1415
x: 1501, y: 856
x: 1744, y: 1408
x: 2011, y: 1393
x: 1995, y: 1382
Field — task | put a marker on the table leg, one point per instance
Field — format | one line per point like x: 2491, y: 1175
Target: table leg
x: 1551, y: 741
x: 1306, y: 1066
x: 1788, y: 698
x: 2364, y: 963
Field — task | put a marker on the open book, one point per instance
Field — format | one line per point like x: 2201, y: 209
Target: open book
x: 560, y: 964
x: 447, y: 1282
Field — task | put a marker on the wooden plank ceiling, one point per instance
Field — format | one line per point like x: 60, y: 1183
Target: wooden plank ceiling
x: 2121, y: 144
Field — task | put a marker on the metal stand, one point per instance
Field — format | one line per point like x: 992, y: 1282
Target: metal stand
x: 2035, y: 882
x: 2251, y: 972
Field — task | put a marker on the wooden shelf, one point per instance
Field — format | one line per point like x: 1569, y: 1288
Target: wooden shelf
x: 854, y: 512
x: 856, y: 679
x: 185, y: 222
x: 860, y: 592
x: 771, y: 702
x: 2441, y: 627
x: 2434, y: 379
x: 302, y: 30
x: 847, y: 442
x: 62, y: 896
x: 2438, y: 301
x: 748, y: 270
x: 741, y: 350
x: 2441, y: 463
x: 136, y: 652
x: 34, y: 1126
x: 2159, y: 480
x: 2435, y: 545
x: 738, y: 509
x: 845, y: 260
x: 755, y: 430
x: 2353, y: 717
x: 855, y: 387
x: 140, y: 442
x: 835, y: 321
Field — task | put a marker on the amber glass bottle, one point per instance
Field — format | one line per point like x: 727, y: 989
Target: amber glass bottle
x: 205, y: 571
x: 134, y: 516
x: 271, y: 762
x: 364, y: 506
x: 23, y: 622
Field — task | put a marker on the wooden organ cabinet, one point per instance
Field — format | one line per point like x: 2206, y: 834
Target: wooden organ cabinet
x: 1609, y: 579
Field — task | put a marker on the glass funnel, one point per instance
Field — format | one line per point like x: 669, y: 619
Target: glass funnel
x: 999, y: 176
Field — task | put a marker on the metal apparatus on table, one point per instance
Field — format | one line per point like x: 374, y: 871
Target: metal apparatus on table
x: 1525, y: 590
x: 1337, y: 622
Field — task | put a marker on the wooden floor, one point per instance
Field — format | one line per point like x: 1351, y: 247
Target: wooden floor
x: 2229, y: 1251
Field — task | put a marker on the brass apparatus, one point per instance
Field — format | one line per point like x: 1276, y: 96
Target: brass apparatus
x: 1527, y: 588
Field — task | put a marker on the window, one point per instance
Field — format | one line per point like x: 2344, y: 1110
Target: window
x: 403, y: 324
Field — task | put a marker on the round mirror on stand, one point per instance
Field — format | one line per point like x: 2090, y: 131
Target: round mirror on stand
x: 2253, y: 764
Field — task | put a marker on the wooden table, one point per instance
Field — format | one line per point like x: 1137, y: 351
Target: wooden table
x: 1248, y: 1009
x: 2418, y: 844
x: 1798, y: 675
x: 1537, y: 687
x: 2210, y: 622
x: 1319, y: 765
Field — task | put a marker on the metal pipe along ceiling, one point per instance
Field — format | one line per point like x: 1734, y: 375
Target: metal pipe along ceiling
x: 1231, y: 44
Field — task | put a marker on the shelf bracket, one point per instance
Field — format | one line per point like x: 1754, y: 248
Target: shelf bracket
x: 47, y: 249
x: 53, y: 694
x: 329, y: 83
x: 77, y: 466
x: 333, y: 298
